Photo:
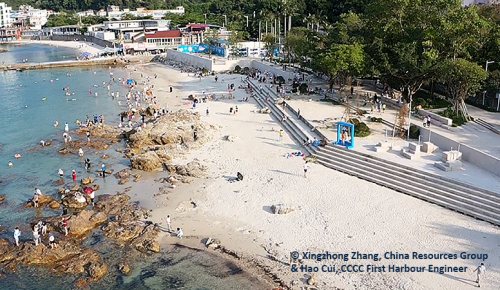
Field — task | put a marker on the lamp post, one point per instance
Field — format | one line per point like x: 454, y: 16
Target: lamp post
x: 487, y: 63
x: 205, y: 17
x: 247, y: 19
x: 225, y: 20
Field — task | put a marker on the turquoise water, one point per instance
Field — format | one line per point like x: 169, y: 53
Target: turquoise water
x: 30, y: 102
x: 35, y: 53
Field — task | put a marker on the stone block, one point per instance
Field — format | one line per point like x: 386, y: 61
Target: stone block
x: 451, y: 156
x: 428, y: 147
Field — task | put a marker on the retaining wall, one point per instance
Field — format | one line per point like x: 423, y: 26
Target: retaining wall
x: 479, y: 158
x: 190, y: 59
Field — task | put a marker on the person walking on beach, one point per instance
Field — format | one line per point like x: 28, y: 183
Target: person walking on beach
x: 169, y: 223
x: 180, y: 233
x: 306, y: 168
x: 281, y: 133
x: 207, y: 111
x: 17, y: 234
x: 103, y: 169
x: 481, y: 269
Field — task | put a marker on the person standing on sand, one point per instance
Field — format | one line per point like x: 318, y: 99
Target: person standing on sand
x: 17, y: 234
x: 169, y: 223
x: 306, y: 168
x: 481, y: 269
x: 281, y: 133
x: 207, y: 111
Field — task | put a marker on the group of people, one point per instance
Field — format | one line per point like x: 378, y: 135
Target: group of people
x: 39, y: 230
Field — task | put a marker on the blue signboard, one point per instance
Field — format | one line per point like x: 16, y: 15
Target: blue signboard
x: 202, y: 48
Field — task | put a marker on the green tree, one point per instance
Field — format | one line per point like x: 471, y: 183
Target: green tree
x: 300, y: 45
x: 270, y: 44
x: 461, y: 78
x: 342, y: 62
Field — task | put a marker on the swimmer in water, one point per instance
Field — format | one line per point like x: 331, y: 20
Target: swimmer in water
x: 44, y: 98
x: 80, y: 152
x: 56, y: 123
x: 17, y: 156
x: 10, y: 164
x: 66, y: 127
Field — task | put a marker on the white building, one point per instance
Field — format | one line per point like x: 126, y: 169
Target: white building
x: 37, y: 18
x: 87, y: 13
x: 5, y: 12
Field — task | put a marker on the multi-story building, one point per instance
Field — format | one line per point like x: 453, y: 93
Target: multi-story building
x: 37, y: 18
x: 5, y: 12
x: 171, y: 39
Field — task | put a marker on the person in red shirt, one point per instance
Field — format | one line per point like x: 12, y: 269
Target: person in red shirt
x: 73, y: 174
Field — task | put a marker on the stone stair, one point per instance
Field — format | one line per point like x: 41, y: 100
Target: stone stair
x: 455, y: 195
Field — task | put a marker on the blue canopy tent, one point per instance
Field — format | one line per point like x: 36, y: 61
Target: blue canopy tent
x: 85, y: 55
x: 130, y: 82
x: 345, y: 135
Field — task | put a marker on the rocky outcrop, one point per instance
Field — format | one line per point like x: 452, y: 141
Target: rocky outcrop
x: 148, y: 161
x: 43, y: 200
x: 124, y: 268
x: 2, y: 199
x: 193, y: 169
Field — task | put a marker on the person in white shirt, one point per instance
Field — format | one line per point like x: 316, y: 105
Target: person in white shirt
x: 481, y: 269
x: 180, y: 233
x: 36, y: 236
x: 52, y: 241
x: 306, y: 167
x: 17, y: 234
x: 61, y: 173
x: 38, y: 191
x: 169, y: 224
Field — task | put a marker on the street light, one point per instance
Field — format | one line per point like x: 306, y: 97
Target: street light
x: 205, y: 18
x: 247, y: 19
x: 225, y: 20
x: 488, y: 62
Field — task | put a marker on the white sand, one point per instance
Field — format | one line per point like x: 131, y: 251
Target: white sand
x: 333, y: 211
x: 77, y: 45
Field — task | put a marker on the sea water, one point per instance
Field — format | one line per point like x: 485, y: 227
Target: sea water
x: 35, y: 53
x: 30, y: 103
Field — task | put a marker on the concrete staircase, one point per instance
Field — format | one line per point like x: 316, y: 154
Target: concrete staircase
x: 455, y: 195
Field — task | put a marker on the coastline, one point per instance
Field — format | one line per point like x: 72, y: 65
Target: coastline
x: 76, y: 45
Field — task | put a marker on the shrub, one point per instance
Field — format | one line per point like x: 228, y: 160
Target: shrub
x: 303, y: 88
x: 280, y: 80
x: 237, y: 69
x: 360, y: 128
x: 375, y: 119
x: 420, y: 102
x: 458, y: 120
x: 414, y: 131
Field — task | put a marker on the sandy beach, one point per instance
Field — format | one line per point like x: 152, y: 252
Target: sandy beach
x: 331, y: 211
x: 76, y: 45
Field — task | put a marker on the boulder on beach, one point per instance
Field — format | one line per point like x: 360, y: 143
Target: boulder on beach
x: 87, y: 180
x: 281, y: 208
x: 124, y: 268
x: 193, y: 169
x: 148, y: 161
x: 75, y: 200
